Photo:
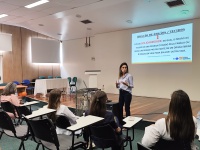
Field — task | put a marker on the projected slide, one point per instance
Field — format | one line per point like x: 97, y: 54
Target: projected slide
x: 167, y: 45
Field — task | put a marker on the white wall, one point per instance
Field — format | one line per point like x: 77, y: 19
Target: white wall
x: 77, y: 59
x: 151, y: 80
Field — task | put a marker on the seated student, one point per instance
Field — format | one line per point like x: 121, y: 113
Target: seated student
x: 179, y: 125
x: 98, y: 108
x: 8, y: 95
x: 54, y: 103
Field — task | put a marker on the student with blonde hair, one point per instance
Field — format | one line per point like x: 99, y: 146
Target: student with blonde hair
x: 8, y: 95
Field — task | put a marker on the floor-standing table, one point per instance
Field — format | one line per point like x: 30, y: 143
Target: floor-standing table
x: 42, y: 85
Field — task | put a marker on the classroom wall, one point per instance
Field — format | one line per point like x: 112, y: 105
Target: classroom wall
x: 76, y: 60
x: 151, y: 80
x: 16, y: 63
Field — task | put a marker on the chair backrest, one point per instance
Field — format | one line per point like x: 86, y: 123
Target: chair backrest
x: 69, y: 79
x: 26, y: 82
x: 172, y: 145
x: 58, y: 77
x: 103, y: 136
x: 16, y: 82
x: 8, y: 107
x: 50, y: 77
x: 22, y: 110
x: 44, y: 130
x: 6, y: 122
x: 74, y: 80
x: 142, y: 147
x: 42, y: 77
x: 62, y: 122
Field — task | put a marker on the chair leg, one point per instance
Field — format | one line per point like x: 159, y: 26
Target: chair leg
x: 1, y: 134
x: 130, y: 144
x: 85, y: 147
x: 38, y: 145
x: 70, y: 91
x: 18, y: 121
x: 22, y: 145
x: 14, y: 122
x: 33, y: 91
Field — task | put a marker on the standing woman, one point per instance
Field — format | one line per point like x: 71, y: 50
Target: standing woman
x: 125, y: 85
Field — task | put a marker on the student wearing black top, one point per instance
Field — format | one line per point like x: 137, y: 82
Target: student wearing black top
x: 98, y: 108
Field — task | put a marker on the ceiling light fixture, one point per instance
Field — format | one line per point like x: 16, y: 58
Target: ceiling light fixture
x: 185, y: 12
x: 86, y: 21
x: 129, y: 21
x: 78, y: 16
x: 36, y: 3
x: 3, y: 15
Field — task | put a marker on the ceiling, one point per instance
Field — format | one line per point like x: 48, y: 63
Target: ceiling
x: 61, y: 19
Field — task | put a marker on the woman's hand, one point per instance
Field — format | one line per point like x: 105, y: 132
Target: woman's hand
x: 118, y: 129
x: 125, y: 83
x: 117, y: 84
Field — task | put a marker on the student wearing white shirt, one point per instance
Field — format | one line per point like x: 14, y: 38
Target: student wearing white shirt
x: 125, y: 85
x: 55, y: 103
x: 179, y: 125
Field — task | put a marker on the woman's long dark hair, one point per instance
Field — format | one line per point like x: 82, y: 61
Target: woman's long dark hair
x: 120, y: 71
x: 98, y: 106
x: 179, y: 121
x: 54, y: 102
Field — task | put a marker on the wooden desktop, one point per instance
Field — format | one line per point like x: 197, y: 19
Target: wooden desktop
x: 20, y: 88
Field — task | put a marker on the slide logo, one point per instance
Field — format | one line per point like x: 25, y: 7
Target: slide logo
x: 181, y: 58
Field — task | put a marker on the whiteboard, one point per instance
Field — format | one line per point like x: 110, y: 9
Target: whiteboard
x: 5, y: 42
x: 45, y: 50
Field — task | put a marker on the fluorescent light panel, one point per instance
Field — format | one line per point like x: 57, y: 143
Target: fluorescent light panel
x: 36, y: 3
x: 47, y: 64
x: 3, y: 15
